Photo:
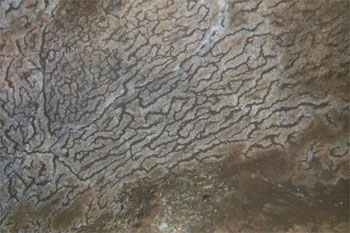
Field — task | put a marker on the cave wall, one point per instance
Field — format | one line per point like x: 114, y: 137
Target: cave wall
x: 94, y: 94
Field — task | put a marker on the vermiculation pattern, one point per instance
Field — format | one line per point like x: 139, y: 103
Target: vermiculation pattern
x: 97, y: 93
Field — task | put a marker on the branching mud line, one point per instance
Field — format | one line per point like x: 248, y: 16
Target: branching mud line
x: 96, y: 94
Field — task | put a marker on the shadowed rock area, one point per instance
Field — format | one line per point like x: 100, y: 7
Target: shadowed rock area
x: 174, y: 116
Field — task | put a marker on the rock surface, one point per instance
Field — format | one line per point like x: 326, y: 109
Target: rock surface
x: 111, y: 109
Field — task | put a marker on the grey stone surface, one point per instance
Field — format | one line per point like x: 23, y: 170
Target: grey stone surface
x: 97, y: 94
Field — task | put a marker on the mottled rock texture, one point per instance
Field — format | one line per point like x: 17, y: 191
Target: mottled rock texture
x: 98, y: 93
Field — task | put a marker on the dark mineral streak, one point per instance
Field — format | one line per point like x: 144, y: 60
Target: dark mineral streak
x: 99, y: 95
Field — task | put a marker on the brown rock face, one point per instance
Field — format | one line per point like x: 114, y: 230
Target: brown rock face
x: 106, y: 105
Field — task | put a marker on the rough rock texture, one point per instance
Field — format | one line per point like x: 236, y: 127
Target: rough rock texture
x: 98, y: 94
x: 224, y: 198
